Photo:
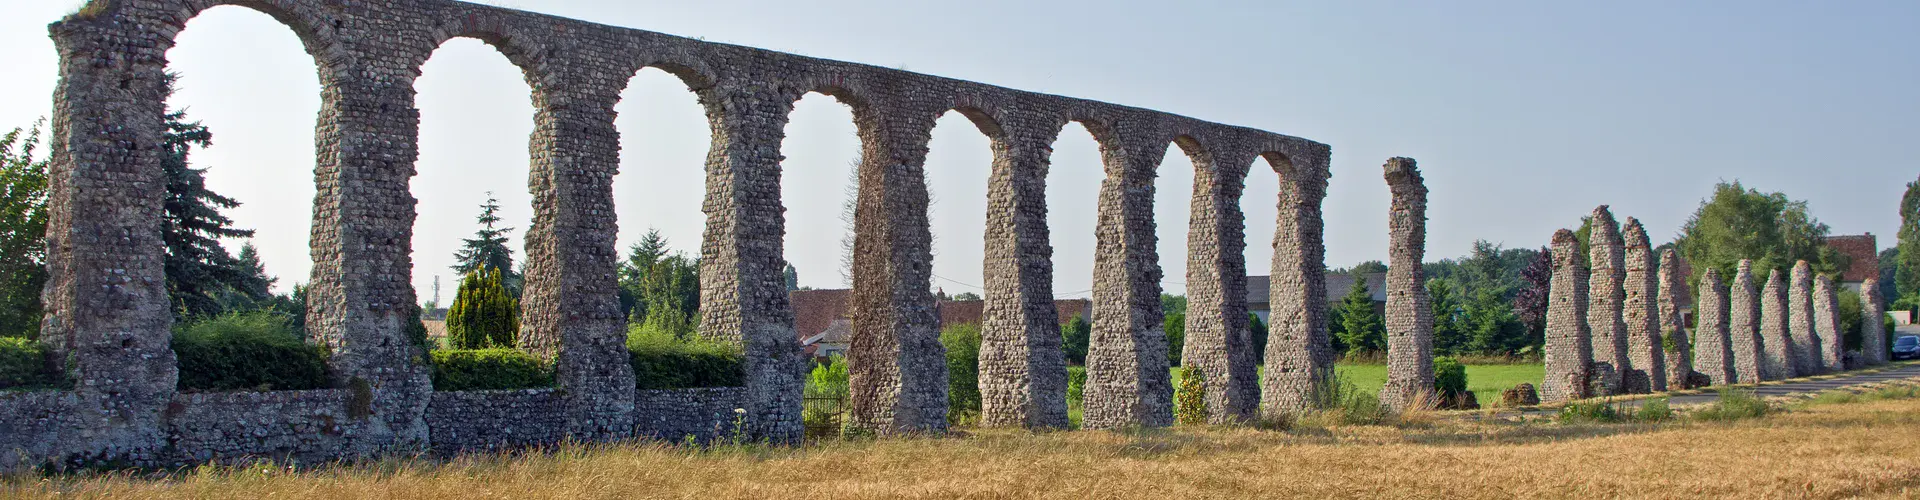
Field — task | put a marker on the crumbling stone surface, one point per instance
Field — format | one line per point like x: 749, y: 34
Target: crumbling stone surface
x: 1826, y: 324
x: 1219, y: 340
x: 1873, y: 334
x: 1673, y: 327
x: 1607, y: 300
x: 1569, y: 350
x: 1647, y: 369
x: 1299, y: 357
x: 1713, y: 347
x: 1743, y: 327
x: 1519, y: 395
x: 1409, y: 314
x: 1776, y: 360
x: 1803, y: 344
x: 107, y: 311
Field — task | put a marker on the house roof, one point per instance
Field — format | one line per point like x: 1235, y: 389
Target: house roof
x: 1260, y: 287
x: 815, y: 310
x: 1863, y: 256
x: 959, y: 312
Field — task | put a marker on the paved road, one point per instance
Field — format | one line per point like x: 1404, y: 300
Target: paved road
x: 1899, y: 371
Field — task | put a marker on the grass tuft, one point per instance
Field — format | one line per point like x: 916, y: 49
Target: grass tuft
x: 1734, y: 404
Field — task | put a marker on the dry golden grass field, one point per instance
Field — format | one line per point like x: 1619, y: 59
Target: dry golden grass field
x: 1845, y: 448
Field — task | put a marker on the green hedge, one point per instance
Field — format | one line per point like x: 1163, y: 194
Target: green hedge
x: 23, y: 364
x: 962, y: 344
x: 247, y: 351
x: 488, y: 369
x: 662, y: 361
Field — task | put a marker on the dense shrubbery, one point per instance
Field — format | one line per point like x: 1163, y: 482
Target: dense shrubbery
x: 826, y: 396
x: 23, y: 364
x: 1449, y: 377
x: 488, y: 369
x: 256, y: 350
x: 1190, y: 398
x: 1075, y: 339
x: 963, y: 370
x: 484, y: 314
x: 663, y: 361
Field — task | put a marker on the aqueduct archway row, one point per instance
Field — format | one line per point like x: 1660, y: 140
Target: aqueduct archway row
x: 108, y: 309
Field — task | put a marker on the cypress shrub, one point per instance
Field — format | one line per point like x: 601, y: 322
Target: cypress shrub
x: 962, y: 343
x: 23, y: 364
x: 1449, y: 377
x: 483, y: 314
x: 663, y: 361
x: 488, y: 369
x: 254, y: 350
x: 1190, y: 398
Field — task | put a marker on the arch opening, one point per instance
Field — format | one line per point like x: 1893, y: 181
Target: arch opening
x: 1074, y: 174
x: 819, y: 182
x: 659, y: 192
x: 476, y: 123
x: 959, y: 165
x: 1260, y: 203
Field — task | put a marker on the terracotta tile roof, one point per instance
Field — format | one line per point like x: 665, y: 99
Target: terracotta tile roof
x: 1863, y: 254
x: 815, y: 310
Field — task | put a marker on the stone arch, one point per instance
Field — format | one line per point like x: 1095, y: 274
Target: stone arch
x: 524, y: 51
x: 315, y: 33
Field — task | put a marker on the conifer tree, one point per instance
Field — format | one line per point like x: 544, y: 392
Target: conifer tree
x: 199, y: 270
x: 1365, y: 330
x: 488, y: 248
x: 483, y: 314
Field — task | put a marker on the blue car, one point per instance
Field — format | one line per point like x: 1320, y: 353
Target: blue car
x: 1906, y: 347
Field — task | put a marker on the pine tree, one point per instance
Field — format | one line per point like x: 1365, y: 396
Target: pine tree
x: 199, y: 270
x: 792, y: 276
x: 23, y: 230
x: 1365, y: 330
x: 488, y: 248
x: 483, y: 314
x: 254, y: 288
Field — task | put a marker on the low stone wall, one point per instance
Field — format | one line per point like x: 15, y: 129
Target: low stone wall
x: 673, y: 415
x: 460, y: 421
x: 49, y: 427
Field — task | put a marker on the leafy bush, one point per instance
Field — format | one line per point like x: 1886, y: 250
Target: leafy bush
x: 1734, y: 404
x: 963, y: 369
x: 1338, y: 402
x: 1077, y: 336
x: 23, y: 364
x: 1190, y: 399
x: 1176, y: 329
x: 488, y: 369
x: 483, y: 314
x: 1449, y: 377
x: 1653, y: 410
x: 254, y: 350
x: 1076, y: 386
x: 825, y: 397
x: 1597, y: 412
x: 662, y: 361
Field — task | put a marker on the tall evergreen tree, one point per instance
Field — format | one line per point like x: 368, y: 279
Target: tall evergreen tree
x: 488, y: 248
x: 199, y: 270
x: 792, y: 277
x: 254, y: 288
x: 1364, y: 330
x: 1907, y: 272
x: 483, y: 313
x: 23, y: 230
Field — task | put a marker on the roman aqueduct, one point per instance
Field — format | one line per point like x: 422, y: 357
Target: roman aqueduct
x: 108, y: 313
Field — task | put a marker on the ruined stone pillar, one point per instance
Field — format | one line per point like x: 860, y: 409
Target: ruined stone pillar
x: 898, y: 368
x: 1218, y: 341
x: 1647, y: 370
x: 743, y: 296
x: 1299, y: 357
x: 1128, y: 382
x: 1743, y: 327
x: 570, y: 310
x: 106, y: 307
x: 1713, y: 350
x: 1873, y: 335
x: 1568, y: 349
x: 1802, y: 343
x: 1826, y: 324
x: 1607, y: 287
x: 1673, y: 327
x: 1023, y: 373
x: 1409, y: 311
x: 1776, y: 348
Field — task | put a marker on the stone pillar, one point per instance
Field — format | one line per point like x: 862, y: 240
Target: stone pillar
x: 1023, y: 373
x: 1776, y: 361
x: 1606, y: 285
x: 1568, y: 350
x: 1743, y: 327
x: 570, y: 311
x: 1647, y: 370
x: 743, y: 296
x: 1873, y: 335
x: 1218, y: 341
x: 1299, y: 357
x: 107, y: 310
x: 898, y: 369
x: 1713, y: 350
x: 1128, y: 382
x: 1826, y: 324
x: 1803, y: 345
x: 1673, y: 327
x: 1409, y: 310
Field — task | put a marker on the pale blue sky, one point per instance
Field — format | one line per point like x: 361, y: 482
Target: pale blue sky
x: 1524, y: 115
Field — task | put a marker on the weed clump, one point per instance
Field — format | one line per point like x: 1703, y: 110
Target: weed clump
x: 1734, y: 404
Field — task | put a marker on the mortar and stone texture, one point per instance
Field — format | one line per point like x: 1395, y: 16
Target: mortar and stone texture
x: 1803, y: 344
x: 1409, y: 313
x: 1647, y: 364
x: 1713, y: 345
x: 1673, y: 327
x: 1743, y: 327
x: 1777, y: 348
x: 1568, y: 345
x: 107, y: 311
x: 1606, y: 301
x: 1873, y: 334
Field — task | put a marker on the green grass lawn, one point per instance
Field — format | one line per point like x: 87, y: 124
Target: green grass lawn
x: 1486, y: 381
